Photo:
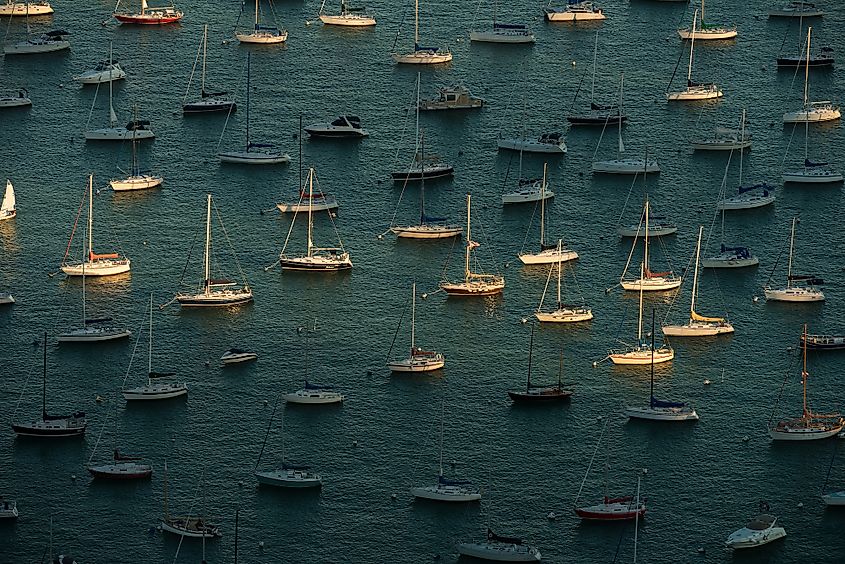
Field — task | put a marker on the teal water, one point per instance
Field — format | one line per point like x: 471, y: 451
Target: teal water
x: 704, y: 480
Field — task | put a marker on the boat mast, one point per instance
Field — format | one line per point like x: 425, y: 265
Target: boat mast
x: 204, y: 49
x: 741, y: 151
x: 413, y: 314
x: 621, y: 147
x: 256, y: 18
x: 237, y: 514
x: 417, y: 28
x: 310, y: 200
x: 164, y: 487
x: 691, y: 48
x: 543, y: 210
x: 702, y: 18
x: 695, y: 274
x: 804, y: 373
x: 789, y: 264
x: 807, y: 69
x: 637, y: 514
x: 595, y: 55
x: 559, y: 268
x: 645, y: 243
x: 44, y: 380
x: 530, y: 350
x: 422, y: 175
x: 112, y: 116
x: 207, y: 257
x: 651, y: 386
x: 442, y: 416
x: 469, y: 242
x: 90, y: 217
x: 248, y: 68
x: 640, y: 320
x: 150, y: 356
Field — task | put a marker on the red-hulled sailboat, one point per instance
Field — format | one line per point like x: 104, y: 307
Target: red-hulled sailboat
x: 156, y: 15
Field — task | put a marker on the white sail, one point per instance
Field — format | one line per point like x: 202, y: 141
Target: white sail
x: 8, y: 204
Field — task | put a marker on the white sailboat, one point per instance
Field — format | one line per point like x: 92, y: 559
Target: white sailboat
x: 420, y: 360
x: 105, y: 71
x: 797, y: 9
x: 814, y: 112
x: 155, y: 388
x: 648, y: 281
x: 799, y: 288
x: 698, y: 325
x: 44, y: 43
x: 708, y: 32
x: 9, y: 207
x: 474, y: 283
x: 315, y: 259
x: 17, y: 99
x: 496, y: 548
x: 813, y: 172
x: 349, y: 17
x: 24, y: 9
x: 660, y: 410
x: 138, y: 179
x: 553, y: 143
x: 809, y: 426
x: 599, y: 114
x: 135, y: 129
x: 422, y: 55
x: 730, y: 256
x: 253, y: 153
x: 503, y: 33
x: 725, y: 139
x: 548, y: 254
x: 622, y: 164
x: 209, y: 102
x: 288, y: 475
x: 447, y: 489
x: 215, y: 292
x: 642, y: 352
x: 261, y: 34
x: 93, y: 264
x: 563, y: 313
x: 695, y: 90
x: 749, y: 196
x: 574, y: 11
x: 189, y: 526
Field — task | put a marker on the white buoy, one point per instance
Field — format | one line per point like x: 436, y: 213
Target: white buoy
x: 755, y: 299
x: 745, y: 439
x: 524, y: 320
x: 424, y: 296
x: 800, y: 505
x: 595, y: 363
x: 551, y: 516
x: 265, y: 403
x: 73, y: 476
x: 393, y: 497
x: 241, y: 483
x: 355, y: 443
x: 706, y: 382
x: 261, y: 545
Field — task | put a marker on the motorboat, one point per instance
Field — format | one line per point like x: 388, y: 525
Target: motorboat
x: 497, y: 548
x: 612, y: 509
x: 105, y: 71
x: 761, y: 530
x: 348, y: 17
x: 345, y: 126
x: 529, y: 190
x: 504, y: 33
x: 235, y: 356
x: 797, y: 9
x: 748, y: 197
x: 157, y: 15
x: 8, y: 508
x: 290, y: 476
x: 46, y: 43
x: 452, y: 98
x: 553, y: 143
x: 16, y: 100
x: 314, y: 394
x: 25, y: 9
x: 731, y: 257
x: 574, y: 11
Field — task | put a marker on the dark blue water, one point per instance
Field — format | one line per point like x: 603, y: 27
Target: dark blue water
x: 704, y: 480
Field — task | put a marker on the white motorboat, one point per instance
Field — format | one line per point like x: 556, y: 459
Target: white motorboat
x: 25, y: 9
x: 761, y: 530
x: 348, y: 17
x: 695, y: 91
x: 708, y: 32
x: 574, y: 11
x: 504, y: 33
x: 344, y: 126
x: 648, y: 281
x: 553, y: 143
x: 9, y: 206
x: 94, y: 264
x: 315, y: 259
x: 314, y: 394
x: 422, y: 55
x: 812, y: 112
x: 209, y: 102
x: 149, y: 15
x: 290, y: 476
x: 420, y: 360
x: 215, y: 292
x: 16, y: 100
x: 261, y: 34
x: 45, y: 43
x: 105, y: 71
x: 698, y: 325
x: 797, y: 9
x: 799, y: 288
x: 452, y: 98
x: 8, y: 508
x: 235, y: 356
x: 497, y: 548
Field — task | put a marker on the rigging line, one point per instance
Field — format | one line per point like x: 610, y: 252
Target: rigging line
x: 592, y: 459
x: 530, y: 225
x: 634, y: 245
x: 677, y: 64
x: 780, y: 393
x: 75, y: 224
x: 229, y: 242
x: 798, y: 67
x: 830, y: 467
x: 241, y: 13
x: 789, y: 144
x: 25, y: 384
x: 408, y: 111
x: 231, y: 108
x: 475, y: 16
x: 546, y: 287
x: 188, y: 516
x: 399, y: 201
x: 676, y: 295
x: 625, y: 206
x: 290, y: 228
x: 131, y: 358
x: 448, y: 258
x: 577, y: 90
x: 774, y: 268
x: 722, y: 193
x: 398, y: 31
x: 267, y: 434
x: 193, y: 70
x: 91, y: 111
x: 273, y: 11
x: 396, y: 334
x: 190, y: 252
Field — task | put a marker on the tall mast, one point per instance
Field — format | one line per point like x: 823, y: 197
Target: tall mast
x: 90, y: 217
x: 422, y: 176
x: 651, y: 388
x: 621, y: 147
x: 204, y: 48
x: 442, y: 417
x: 807, y: 68
x: 645, y: 243
x: 789, y: 267
x: 417, y: 123
x: 637, y: 514
x: 112, y: 116
x: 595, y: 55
x: 150, y: 357
x: 469, y: 241
x: 164, y: 488
x: 543, y: 209
x: 640, y: 320
x: 416, y: 27
x: 530, y: 350
x: 237, y: 514
x: 207, y: 256
x: 256, y: 15
x: 695, y: 274
x: 413, y: 314
x: 691, y: 48
x: 559, y: 268
x: 248, y: 65
x: 702, y: 17
x: 44, y: 379
x: 804, y: 372
x: 310, y: 200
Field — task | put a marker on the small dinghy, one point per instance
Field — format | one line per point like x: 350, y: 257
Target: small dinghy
x: 500, y: 549
x: 234, y: 356
x: 761, y: 530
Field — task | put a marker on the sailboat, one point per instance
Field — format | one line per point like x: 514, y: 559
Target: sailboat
x: 105, y: 71
x: 725, y: 139
x: 36, y: 8
x: 707, y: 32
x: 312, y: 394
x: 574, y: 11
x: 19, y: 99
x: 315, y: 259
x: 155, y: 15
x: 643, y: 352
x: 422, y: 55
x: 474, y: 284
x: 659, y: 410
x: 188, y: 526
x: 155, y: 388
x: 698, y: 325
x: 209, y: 102
x: 137, y: 179
x: 624, y: 508
x: 563, y: 313
x: 8, y: 208
x: 349, y: 17
x: 318, y: 201
x: 812, y: 111
x: 261, y: 34
x: 823, y: 59
x: 253, y: 153
x: 730, y: 256
x: 447, y: 489
x: 797, y: 9
x: 135, y: 129
x: 810, y: 426
x: 289, y: 475
x: 540, y: 394
x: 503, y: 33
x: 94, y: 264
x: 649, y: 281
x: 122, y: 467
x: 45, y: 43
x: 621, y: 164
x: 92, y: 330
x: 548, y: 254
x: 799, y: 287
x: 599, y: 114
x: 749, y: 196
x: 497, y: 548
x: 813, y: 172
x: 215, y: 292
x: 51, y: 426
x: 420, y: 360
x: 694, y: 90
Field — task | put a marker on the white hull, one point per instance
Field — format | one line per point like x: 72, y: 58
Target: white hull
x: 6, y: 298
x: 473, y: 288
x: 794, y: 295
x: 803, y: 434
x: 14, y: 101
x: 717, y: 145
x: 253, y: 157
x: 265, y: 38
x: 526, y: 196
x: 427, y: 231
x: 568, y: 15
x: 142, y: 182
x: 98, y: 268
x: 566, y: 315
x: 415, y: 365
x: 289, y: 479
x: 118, y: 134
x: 236, y: 358
x: 36, y: 47
x: 712, y: 34
x: 661, y: 413
x: 22, y: 9
x: 314, y: 397
x: 549, y: 256
x: 501, y: 37
x: 697, y: 329
x: 729, y: 262
x: 659, y: 284
x: 634, y: 231
x: 317, y: 204
x: 532, y: 146
x: 153, y: 392
x: 812, y: 176
x: 422, y: 58
x: 814, y: 115
x: 625, y: 166
x: 694, y: 94
x: 640, y: 357
x: 93, y: 335
x: 348, y: 20
x: 188, y: 533
x: 834, y: 499
x: 445, y: 493
x: 743, y: 202
x: 100, y: 77
x: 500, y: 552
